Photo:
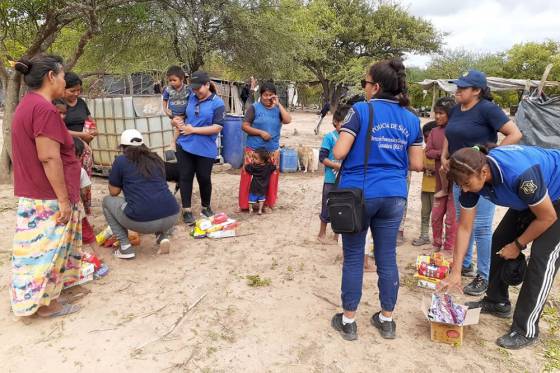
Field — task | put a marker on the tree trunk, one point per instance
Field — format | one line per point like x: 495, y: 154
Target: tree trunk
x: 11, y: 100
x: 130, y: 84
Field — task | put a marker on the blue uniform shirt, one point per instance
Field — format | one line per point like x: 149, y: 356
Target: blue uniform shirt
x: 202, y: 114
x: 147, y: 199
x: 395, y: 130
x: 268, y: 120
x: 477, y: 126
x: 328, y: 144
x: 522, y: 176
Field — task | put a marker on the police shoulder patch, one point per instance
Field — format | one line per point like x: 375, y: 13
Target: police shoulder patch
x: 529, y: 187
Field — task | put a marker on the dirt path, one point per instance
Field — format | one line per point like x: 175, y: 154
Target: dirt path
x: 283, y: 327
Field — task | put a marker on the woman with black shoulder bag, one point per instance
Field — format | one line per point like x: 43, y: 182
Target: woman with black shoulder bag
x: 379, y: 142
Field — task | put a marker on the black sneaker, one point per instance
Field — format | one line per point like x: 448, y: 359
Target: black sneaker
x: 386, y: 329
x: 347, y: 331
x: 468, y: 271
x: 207, y: 211
x: 502, y: 310
x: 188, y: 218
x: 514, y: 341
x: 477, y: 287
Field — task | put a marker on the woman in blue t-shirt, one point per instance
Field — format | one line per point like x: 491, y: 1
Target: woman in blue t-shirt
x: 148, y: 206
x: 396, y: 147
x: 525, y: 179
x: 476, y: 120
x: 263, y: 123
x: 196, y: 145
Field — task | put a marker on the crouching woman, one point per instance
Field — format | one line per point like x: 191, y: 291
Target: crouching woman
x: 148, y: 206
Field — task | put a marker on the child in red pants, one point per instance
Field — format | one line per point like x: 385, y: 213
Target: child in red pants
x: 443, y: 210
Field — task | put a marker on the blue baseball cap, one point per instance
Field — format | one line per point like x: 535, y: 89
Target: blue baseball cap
x: 472, y: 78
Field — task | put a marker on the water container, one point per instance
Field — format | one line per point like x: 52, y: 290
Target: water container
x: 233, y: 141
x: 113, y: 115
x: 288, y: 160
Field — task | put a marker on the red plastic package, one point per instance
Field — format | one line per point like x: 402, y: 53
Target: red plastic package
x: 220, y: 218
x: 91, y: 258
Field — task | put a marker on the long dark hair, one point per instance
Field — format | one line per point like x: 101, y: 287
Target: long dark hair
x: 467, y: 162
x: 148, y: 163
x: 36, y: 68
x: 391, y: 77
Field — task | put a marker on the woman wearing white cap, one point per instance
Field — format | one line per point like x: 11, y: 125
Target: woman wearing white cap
x: 148, y: 206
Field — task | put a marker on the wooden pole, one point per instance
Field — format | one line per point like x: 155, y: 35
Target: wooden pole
x: 543, y: 79
x: 434, y: 98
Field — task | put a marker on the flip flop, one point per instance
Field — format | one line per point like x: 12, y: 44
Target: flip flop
x: 67, y: 309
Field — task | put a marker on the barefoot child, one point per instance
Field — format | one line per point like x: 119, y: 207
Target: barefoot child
x: 175, y: 96
x: 260, y: 170
x: 428, y: 191
x: 88, y: 236
x: 326, y: 157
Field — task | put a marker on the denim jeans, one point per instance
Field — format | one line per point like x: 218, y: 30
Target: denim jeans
x: 482, y: 233
x: 383, y: 217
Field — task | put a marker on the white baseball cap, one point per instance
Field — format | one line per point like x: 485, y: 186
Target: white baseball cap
x: 132, y: 137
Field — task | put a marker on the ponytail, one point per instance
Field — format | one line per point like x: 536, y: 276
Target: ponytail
x: 486, y: 94
x: 148, y: 163
x: 213, y: 87
x: 391, y: 77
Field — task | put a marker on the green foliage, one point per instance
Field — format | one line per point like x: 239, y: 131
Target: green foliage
x: 522, y: 61
x: 257, y: 281
x: 529, y: 60
x: 340, y: 38
x: 452, y: 63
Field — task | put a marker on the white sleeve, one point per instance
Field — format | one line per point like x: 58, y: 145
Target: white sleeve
x: 84, y: 179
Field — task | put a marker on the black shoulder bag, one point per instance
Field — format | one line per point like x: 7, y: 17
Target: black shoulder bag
x: 346, y: 206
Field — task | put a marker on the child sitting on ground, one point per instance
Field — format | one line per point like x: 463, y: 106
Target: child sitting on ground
x: 260, y: 170
x: 175, y: 96
x: 332, y: 166
x: 88, y: 236
x: 428, y: 191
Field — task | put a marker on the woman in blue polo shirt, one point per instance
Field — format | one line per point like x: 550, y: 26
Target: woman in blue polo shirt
x: 396, y: 147
x: 525, y: 179
x: 196, y: 145
x: 476, y: 120
x: 263, y: 123
x: 148, y: 206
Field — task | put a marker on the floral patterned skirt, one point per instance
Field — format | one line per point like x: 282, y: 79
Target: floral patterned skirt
x: 45, y: 255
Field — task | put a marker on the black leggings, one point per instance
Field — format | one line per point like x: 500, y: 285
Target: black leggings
x: 189, y: 165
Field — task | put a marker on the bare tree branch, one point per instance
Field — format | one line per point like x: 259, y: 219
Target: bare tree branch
x: 93, y: 29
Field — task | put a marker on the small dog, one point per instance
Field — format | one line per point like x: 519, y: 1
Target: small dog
x: 305, y: 155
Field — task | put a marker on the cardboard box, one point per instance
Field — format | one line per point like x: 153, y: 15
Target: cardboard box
x: 450, y: 333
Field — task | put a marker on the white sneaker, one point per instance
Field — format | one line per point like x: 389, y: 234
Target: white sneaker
x: 164, y: 246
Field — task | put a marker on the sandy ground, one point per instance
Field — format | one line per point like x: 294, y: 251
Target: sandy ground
x: 140, y: 317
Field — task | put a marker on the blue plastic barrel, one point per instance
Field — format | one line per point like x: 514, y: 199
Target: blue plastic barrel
x: 233, y: 141
x: 288, y: 160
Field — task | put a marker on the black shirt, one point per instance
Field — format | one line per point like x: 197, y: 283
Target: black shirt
x: 76, y: 116
x: 261, y: 177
